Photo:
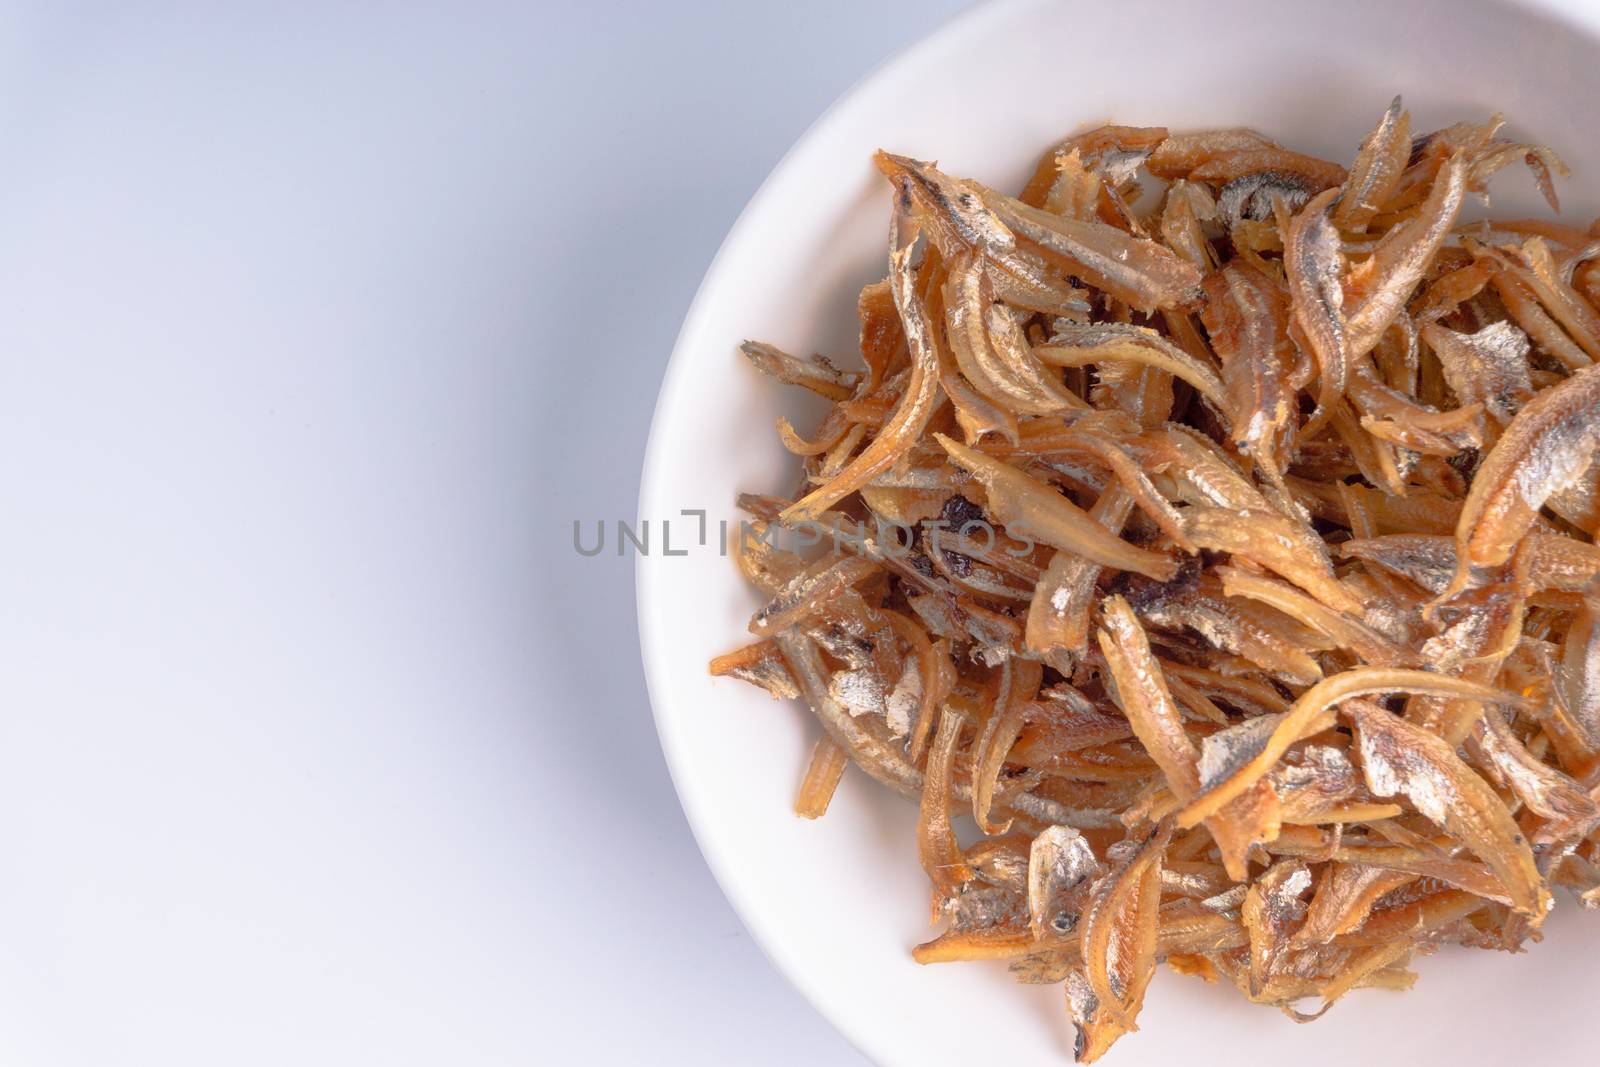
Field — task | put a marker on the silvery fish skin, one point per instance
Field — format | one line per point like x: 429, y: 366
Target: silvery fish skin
x: 1322, y: 778
x: 1556, y: 563
x: 1117, y: 166
x: 1060, y: 862
x: 1548, y: 446
x: 1246, y: 319
x: 1216, y: 620
x: 1136, y: 270
x: 1571, y: 813
x: 1203, y: 475
x: 1311, y: 712
x: 1579, y: 503
x: 1006, y: 373
x: 1223, y: 753
x: 1578, y: 678
x: 806, y: 594
x: 1023, y: 279
x: 1272, y: 911
x: 1400, y: 758
x: 860, y: 692
x: 1228, y: 901
x: 866, y: 740
x: 863, y: 691
x: 1016, y: 354
x: 983, y: 907
x: 1074, y: 345
x: 1489, y: 366
x: 1251, y: 196
x: 953, y: 211
x: 770, y: 673
x: 1227, y: 167
x: 1093, y: 1032
x: 959, y: 221
x: 1314, y: 265
x: 1476, y: 624
x: 1001, y: 862
x: 1119, y: 929
x: 1377, y: 169
x: 1401, y: 259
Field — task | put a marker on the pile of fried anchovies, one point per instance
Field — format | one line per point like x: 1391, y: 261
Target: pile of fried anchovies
x: 1231, y: 561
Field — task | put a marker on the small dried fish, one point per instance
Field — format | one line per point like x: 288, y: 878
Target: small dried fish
x: 760, y: 664
x: 823, y: 773
x: 1555, y: 562
x: 1119, y: 931
x: 1177, y: 156
x: 916, y: 407
x: 1309, y: 712
x: 1141, y: 692
x: 1309, y: 173
x: 1313, y: 262
x: 1488, y: 367
x: 1377, y: 170
x: 1058, y: 615
x: 1578, y: 680
x: 936, y: 839
x: 1252, y: 196
x: 1272, y: 912
x: 1247, y: 321
x: 1569, y: 812
x: 1061, y: 866
x: 1135, y: 270
x: 815, y: 373
x: 1547, y: 447
x: 1270, y: 540
x: 1385, y: 281
x: 1400, y: 758
x: 1345, y: 897
x: 1312, y: 463
x: 1074, y: 345
x: 1023, y: 503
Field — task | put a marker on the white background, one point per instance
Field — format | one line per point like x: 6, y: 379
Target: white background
x: 318, y: 327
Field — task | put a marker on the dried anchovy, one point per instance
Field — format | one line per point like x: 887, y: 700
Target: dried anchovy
x: 1246, y: 593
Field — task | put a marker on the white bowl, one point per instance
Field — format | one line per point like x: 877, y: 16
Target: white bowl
x: 838, y: 903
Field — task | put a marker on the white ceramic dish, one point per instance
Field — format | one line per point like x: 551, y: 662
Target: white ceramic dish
x: 838, y: 903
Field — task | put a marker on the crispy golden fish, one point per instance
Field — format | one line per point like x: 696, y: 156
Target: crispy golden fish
x: 1211, y: 528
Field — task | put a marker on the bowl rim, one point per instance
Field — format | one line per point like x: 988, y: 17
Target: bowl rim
x: 1582, y: 16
